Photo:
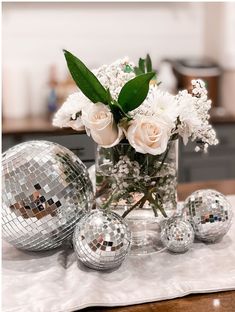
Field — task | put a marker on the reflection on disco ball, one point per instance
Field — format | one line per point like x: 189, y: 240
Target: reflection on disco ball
x: 177, y: 235
x: 46, y: 190
x: 210, y: 214
x: 101, y: 240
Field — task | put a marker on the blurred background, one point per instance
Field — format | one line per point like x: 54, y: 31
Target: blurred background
x: 185, y: 41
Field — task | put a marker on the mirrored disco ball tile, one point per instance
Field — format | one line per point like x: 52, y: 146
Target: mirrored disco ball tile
x: 177, y: 235
x: 101, y: 240
x: 46, y: 190
x: 210, y: 214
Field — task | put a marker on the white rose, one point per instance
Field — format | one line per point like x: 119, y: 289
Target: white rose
x: 100, y: 124
x: 148, y: 135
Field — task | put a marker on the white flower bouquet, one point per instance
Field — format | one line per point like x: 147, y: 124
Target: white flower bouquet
x: 114, y: 103
x: 135, y: 125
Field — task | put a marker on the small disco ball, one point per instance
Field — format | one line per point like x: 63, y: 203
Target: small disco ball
x: 210, y: 214
x: 177, y: 235
x: 46, y: 190
x: 101, y: 240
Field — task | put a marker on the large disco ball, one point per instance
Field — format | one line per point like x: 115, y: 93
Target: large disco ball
x: 210, y: 214
x: 101, y: 240
x: 46, y: 190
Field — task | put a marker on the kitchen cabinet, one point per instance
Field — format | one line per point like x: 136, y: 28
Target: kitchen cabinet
x: 82, y: 145
x: 217, y: 164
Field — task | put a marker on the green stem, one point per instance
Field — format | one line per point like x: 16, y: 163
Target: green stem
x: 139, y: 202
x: 129, y: 150
x: 154, y: 211
x: 102, y: 189
x: 164, y: 158
x: 109, y: 200
x: 157, y: 205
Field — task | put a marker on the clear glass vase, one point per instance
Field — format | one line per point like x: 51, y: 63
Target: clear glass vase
x: 139, y: 187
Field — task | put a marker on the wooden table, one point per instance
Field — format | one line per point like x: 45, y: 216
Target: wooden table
x: 226, y: 187
x: 214, y: 302
x: 43, y: 124
x: 33, y: 125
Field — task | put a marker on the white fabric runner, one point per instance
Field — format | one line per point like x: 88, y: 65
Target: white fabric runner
x: 54, y: 282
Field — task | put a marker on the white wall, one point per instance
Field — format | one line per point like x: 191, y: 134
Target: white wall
x: 100, y: 32
x: 219, y: 42
x: 34, y: 35
x: 229, y: 35
x: 219, y: 33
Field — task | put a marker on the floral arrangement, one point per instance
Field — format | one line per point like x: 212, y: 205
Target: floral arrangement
x: 123, y: 103
x: 120, y: 101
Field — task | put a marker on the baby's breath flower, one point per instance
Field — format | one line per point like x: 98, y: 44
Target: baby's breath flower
x: 194, y: 116
x: 115, y: 75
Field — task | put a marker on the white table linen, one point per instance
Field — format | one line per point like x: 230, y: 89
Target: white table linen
x: 53, y: 281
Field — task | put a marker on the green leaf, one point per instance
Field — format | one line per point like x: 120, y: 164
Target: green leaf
x: 118, y: 111
x: 123, y: 113
x: 116, y: 108
x: 148, y: 63
x: 134, y: 92
x: 128, y: 69
x: 117, y: 114
x: 85, y: 79
x: 138, y: 71
x: 142, y: 65
x: 109, y: 97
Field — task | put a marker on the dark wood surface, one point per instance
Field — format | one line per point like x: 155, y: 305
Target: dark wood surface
x: 43, y: 124
x: 29, y: 125
x: 213, y: 302
x: 227, y: 187
x: 216, y: 302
